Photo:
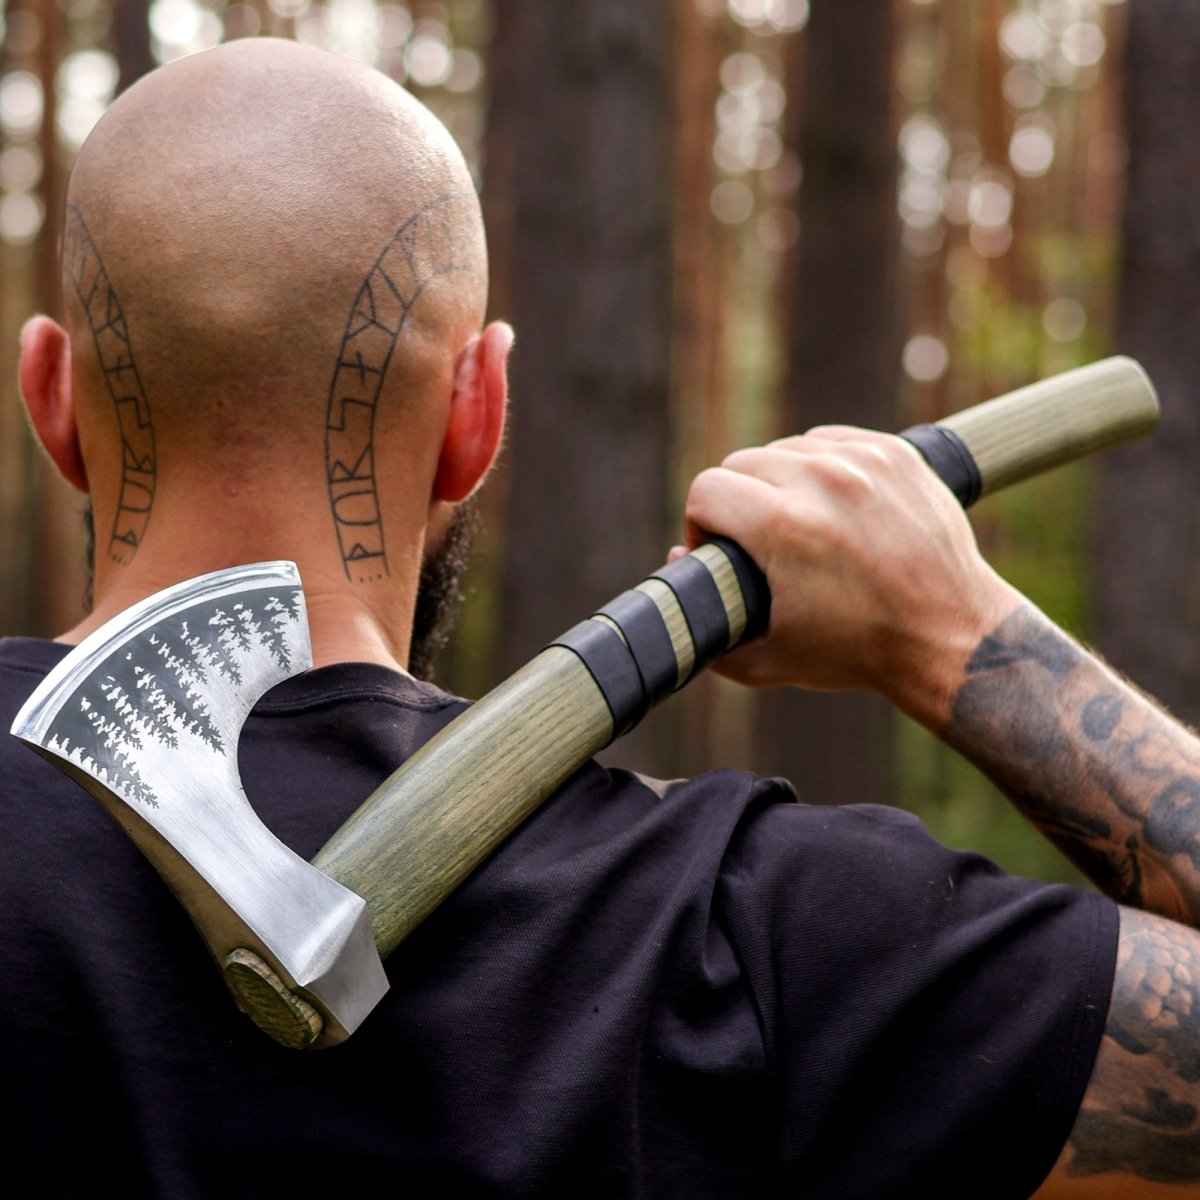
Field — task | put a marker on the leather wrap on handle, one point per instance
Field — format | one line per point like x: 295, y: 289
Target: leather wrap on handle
x: 444, y: 811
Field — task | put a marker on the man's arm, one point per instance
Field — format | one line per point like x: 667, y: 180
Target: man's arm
x: 1115, y: 783
x: 1096, y: 766
x: 877, y: 582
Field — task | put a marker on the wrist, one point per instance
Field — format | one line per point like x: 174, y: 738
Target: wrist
x: 927, y: 667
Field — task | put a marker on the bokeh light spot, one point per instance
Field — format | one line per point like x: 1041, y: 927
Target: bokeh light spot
x: 20, y: 167
x: 1031, y: 150
x: 742, y: 72
x: 428, y: 60
x: 20, y: 103
x: 732, y: 202
x: 1064, y: 319
x: 1023, y: 36
x: 1023, y: 88
x: 989, y: 203
x: 1083, y: 44
x: 925, y: 358
x: 20, y: 218
x: 175, y: 22
x: 88, y: 75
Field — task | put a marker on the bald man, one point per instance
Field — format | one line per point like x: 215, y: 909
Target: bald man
x: 274, y: 282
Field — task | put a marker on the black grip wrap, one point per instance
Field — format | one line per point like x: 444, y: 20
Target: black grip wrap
x: 649, y: 641
x: 756, y: 595
x: 638, y: 667
x: 703, y: 609
x: 945, y: 452
x: 610, y: 661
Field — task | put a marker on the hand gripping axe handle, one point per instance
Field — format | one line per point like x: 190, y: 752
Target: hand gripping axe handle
x: 146, y: 713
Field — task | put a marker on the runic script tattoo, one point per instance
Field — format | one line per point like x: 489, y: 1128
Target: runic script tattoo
x: 84, y: 267
x: 426, y: 246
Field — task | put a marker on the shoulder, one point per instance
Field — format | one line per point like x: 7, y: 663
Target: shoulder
x: 886, y: 965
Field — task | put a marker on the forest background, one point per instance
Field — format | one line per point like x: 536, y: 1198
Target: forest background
x: 713, y: 222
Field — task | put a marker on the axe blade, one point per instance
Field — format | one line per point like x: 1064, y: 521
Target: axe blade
x: 146, y: 714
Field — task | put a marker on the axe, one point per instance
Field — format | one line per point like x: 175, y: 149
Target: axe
x: 146, y: 712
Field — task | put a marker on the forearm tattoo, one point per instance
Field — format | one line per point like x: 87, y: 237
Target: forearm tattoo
x: 1141, y: 1115
x: 1116, y: 783
x: 426, y: 246
x: 85, y: 269
x: 1095, y: 765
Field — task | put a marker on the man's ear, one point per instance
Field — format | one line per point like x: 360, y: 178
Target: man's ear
x: 46, y: 385
x: 476, y: 422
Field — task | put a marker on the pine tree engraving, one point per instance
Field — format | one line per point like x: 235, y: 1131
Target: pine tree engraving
x: 165, y: 688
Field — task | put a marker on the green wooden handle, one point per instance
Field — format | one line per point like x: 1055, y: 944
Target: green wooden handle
x: 1056, y: 420
x: 445, y: 810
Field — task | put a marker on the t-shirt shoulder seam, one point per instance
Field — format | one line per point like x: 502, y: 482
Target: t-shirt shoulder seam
x: 339, y: 695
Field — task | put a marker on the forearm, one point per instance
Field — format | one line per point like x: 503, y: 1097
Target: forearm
x: 1101, y: 770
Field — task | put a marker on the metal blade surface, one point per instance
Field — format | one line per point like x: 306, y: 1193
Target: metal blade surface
x: 146, y: 713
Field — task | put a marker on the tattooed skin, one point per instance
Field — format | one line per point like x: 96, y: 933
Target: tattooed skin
x: 1096, y: 766
x: 426, y: 246
x: 85, y: 270
x: 1141, y: 1116
x: 1115, y: 782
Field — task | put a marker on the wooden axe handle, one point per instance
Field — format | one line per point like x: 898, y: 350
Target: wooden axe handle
x: 428, y: 826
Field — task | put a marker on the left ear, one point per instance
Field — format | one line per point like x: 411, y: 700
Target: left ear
x: 476, y: 423
x: 48, y: 391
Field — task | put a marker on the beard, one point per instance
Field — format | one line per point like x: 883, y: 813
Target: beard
x: 439, y: 588
x: 89, y: 550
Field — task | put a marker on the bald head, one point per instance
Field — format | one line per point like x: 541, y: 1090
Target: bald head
x: 239, y: 197
x: 294, y: 248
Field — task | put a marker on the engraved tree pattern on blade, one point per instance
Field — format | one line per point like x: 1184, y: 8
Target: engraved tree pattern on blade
x: 426, y: 246
x: 84, y: 267
x: 177, y: 685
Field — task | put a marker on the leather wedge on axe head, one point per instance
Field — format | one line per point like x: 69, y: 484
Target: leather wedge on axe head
x: 145, y: 714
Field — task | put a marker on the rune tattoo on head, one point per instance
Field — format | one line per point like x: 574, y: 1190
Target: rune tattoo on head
x: 85, y: 269
x: 427, y: 245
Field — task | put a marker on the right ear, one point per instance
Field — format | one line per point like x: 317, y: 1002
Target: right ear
x: 46, y: 385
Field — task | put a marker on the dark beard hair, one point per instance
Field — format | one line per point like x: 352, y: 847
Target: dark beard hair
x: 439, y: 591
x: 89, y: 549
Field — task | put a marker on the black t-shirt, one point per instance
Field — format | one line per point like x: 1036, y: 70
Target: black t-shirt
x: 697, y: 989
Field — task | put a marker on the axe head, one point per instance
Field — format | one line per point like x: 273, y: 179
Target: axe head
x: 145, y: 714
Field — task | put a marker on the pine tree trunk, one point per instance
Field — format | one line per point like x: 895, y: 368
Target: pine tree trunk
x: 1148, y: 512
x: 842, y: 330
x: 579, y: 148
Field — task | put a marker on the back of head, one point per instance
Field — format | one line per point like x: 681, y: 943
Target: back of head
x: 263, y: 219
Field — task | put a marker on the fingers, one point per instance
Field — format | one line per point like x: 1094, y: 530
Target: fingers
x: 724, y: 501
x: 850, y: 468
x: 870, y: 560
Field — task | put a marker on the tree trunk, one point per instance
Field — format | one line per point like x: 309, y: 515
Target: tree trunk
x: 842, y: 344
x: 1148, y: 512
x: 131, y: 41
x: 579, y: 148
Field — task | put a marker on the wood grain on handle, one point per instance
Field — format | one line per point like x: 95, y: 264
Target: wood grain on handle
x: 1056, y: 420
x: 428, y: 826
x: 423, y: 831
